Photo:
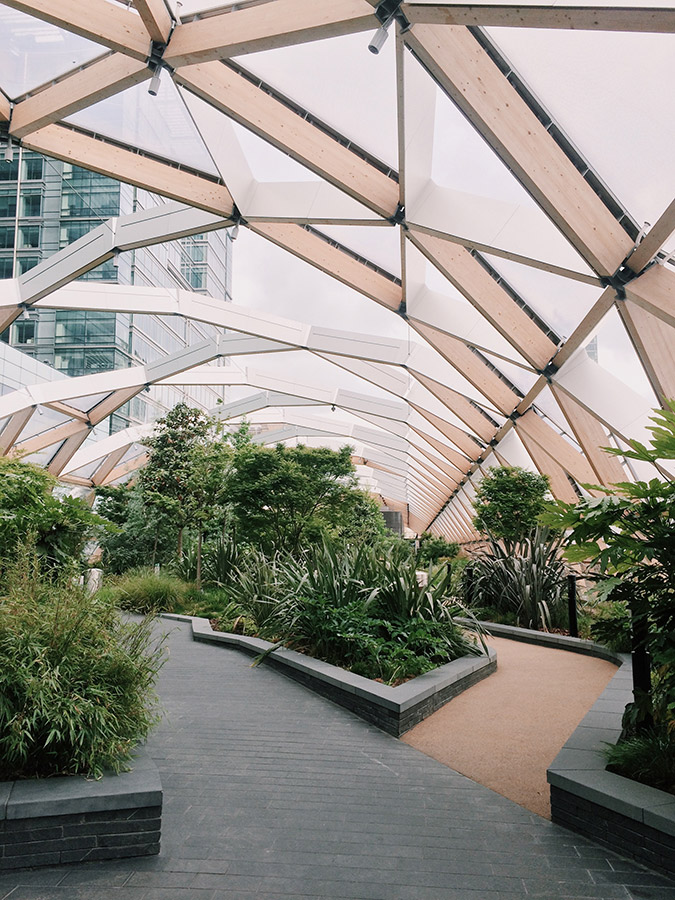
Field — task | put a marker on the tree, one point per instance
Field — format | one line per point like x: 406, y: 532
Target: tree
x: 509, y: 501
x: 140, y: 533
x: 168, y: 478
x: 284, y: 495
x: 628, y: 535
x: 433, y: 547
x: 59, y: 527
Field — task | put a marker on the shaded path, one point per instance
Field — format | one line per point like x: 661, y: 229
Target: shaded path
x: 273, y: 793
x: 505, y: 731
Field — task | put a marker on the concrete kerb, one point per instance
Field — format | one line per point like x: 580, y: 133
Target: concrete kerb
x: 394, y: 709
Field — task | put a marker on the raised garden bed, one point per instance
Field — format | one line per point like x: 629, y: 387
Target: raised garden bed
x: 47, y: 821
x: 393, y: 709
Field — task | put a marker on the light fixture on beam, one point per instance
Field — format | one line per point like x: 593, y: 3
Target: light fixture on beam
x: 9, y: 151
x: 386, y: 12
x: 155, y: 81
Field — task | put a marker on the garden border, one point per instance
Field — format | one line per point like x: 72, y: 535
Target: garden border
x: 631, y: 818
x: 71, y: 818
x: 393, y: 709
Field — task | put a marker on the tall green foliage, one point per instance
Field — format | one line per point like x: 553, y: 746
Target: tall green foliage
x: 59, y: 527
x: 141, y: 534
x: 509, y: 501
x: 75, y: 681
x: 628, y: 535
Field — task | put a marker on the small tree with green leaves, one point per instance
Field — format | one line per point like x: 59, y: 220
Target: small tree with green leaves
x: 167, y: 480
x: 509, y: 501
x: 283, y: 496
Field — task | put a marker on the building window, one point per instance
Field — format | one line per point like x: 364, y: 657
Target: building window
x: 26, y: 263
x: 7, y: 205
x: 6, y: 266
x: 32, y: 168
x: 9, y: 171
x: 29, y: 236
x: 24, y: 332
x: 6, y: 237
x: 31, y: 204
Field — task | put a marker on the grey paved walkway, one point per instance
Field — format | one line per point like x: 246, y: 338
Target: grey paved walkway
x: 273, y: 793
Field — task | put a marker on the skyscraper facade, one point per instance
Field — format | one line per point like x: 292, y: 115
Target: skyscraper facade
x: 45, y: 205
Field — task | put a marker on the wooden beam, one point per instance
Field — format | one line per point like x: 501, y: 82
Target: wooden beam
x: 654, y: 341
x: 652, y: 242
x: 471, y: 366
x: 580, y: 18
x: 269, y: 118
x: 13, y: 428
x: 655, y: 292
x: 108, y: 464
x: 49, y: 437
x: 441, y: 463
x: 109, y: 404
x: 5, y: 108
x: 266, y: 27
x: 67, y: 410
x: 457, y: 459
x: 459, y: 405
x: 553, y: 443
x: 475, y: 283
x: 66, y: 452
x: 458, y: 437
x: 330, y: 259
x: 102, y: 79
x: 592, y: 437
x: 129, y: 466
x: 156, y: 18
x: 97, y: 20
x: 560, y: 484
x: 133, y: 168
x: 477, y: 86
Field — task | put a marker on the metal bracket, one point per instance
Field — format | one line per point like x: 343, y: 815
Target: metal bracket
x: 391, y: 9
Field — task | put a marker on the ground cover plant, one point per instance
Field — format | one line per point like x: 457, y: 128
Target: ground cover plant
x: 627, y: 534
x: 76, y: 683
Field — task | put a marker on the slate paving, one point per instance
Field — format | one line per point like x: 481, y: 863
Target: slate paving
x: 271, y: 793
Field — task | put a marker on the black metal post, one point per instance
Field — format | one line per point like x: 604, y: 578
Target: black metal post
x: 468, y: 584
x: 572, y: 605
x: 642, y: 674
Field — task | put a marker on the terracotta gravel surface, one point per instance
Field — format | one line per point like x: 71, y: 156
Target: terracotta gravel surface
x: 506, y: 730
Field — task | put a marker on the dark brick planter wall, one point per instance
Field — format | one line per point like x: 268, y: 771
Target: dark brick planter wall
x: 48, y: 821
x: 627, y: 836
x: 393, y: 709
x: 49, y: 840
x: 634, y: 820
x: 392, y: 721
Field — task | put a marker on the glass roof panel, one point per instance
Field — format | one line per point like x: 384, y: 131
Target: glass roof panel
x: 614, y: 351
x: 560, y: 302
x: 160, y: 125
x: 267, y: 163
x: 590, y: 81
x: 35, y: 52
x: 379, y: 245
x: 358, y: 99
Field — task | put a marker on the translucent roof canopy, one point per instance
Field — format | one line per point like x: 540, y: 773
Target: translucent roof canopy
x: 454, y: 253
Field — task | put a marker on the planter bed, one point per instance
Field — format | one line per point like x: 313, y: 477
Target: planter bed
x: 393, y: 709
x: 47, y: 821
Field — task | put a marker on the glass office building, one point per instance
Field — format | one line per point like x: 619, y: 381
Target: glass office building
x: 45, y: 205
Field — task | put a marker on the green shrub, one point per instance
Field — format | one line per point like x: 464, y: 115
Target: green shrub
x: 144, y: 591
x: 527, y: 578
x: 648, y: 757
x: 76, y: 683
x: 612, y: 627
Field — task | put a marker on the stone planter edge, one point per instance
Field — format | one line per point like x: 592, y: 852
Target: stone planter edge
x: 395, y: 709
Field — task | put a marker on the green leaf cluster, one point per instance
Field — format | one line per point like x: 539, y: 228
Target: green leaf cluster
x: 509, y: 502
x: 76, y: 683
